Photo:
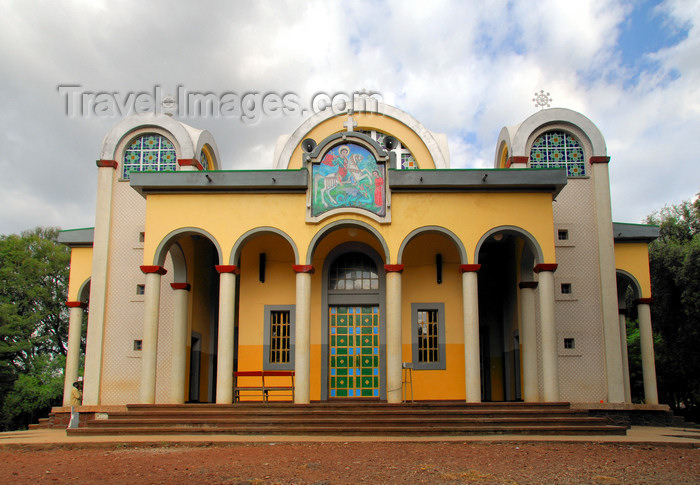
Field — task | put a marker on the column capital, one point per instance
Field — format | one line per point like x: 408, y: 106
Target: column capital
x: 469, y: 268
x: 153, y: 269
x: 227, y: 268
x: 545, y: 267
x: 393, y: 268
x: 107, y: 163
x: 643, y: 301
x: 527, y: 285
x: 189, y: 162
x: 600, y: 159
x: 181, y: 286
x: 303, y: 268
x: 76, y: 304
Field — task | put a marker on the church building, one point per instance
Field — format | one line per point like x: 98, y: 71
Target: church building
x: 362, y: 262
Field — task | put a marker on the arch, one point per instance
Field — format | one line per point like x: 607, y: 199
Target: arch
x: 625, y: 280
x: 169, y: 240
x: 179, y: 263
x: 553, y: 117
x: 128, y: 126
x: 527, y: 264
x: 340, y: 225
x: 238, y: 246
x: 361, y: 106
x: 434, y: 230
x: 84, y: 291
x: 530, y: 241
x: 206, y: 141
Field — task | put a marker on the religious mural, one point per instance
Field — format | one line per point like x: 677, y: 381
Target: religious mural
x: 348, y: 176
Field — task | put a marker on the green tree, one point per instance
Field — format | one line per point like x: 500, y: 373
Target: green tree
x: 33, y: 321
x: 675, y: 279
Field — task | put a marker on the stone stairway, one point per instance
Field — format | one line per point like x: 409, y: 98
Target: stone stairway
x: 350, y: 418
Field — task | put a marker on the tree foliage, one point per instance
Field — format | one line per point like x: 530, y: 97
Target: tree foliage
x: 675, y: 279
x: 33, y: 321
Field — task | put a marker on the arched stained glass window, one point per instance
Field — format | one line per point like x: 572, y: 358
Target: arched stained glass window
x: 149, y: 152
x: 353, y: 272
x: 204, y: 160
x: 556, y: 149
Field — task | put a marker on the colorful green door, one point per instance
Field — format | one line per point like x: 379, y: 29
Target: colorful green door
x: 354, y: 352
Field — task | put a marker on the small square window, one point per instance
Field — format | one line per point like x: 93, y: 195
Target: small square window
x: 138, y: 344
x: 140, y: 289
x: 566, y: 288
x: 569, y: 343
x: 142, y: 237
x: 563, y: 235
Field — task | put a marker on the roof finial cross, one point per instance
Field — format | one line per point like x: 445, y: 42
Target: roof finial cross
x: 350, y: 123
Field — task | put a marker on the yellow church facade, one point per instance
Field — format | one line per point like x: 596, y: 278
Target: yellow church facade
x: 360, y: 261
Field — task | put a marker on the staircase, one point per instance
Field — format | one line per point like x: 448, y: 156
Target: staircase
x: 350, y: 418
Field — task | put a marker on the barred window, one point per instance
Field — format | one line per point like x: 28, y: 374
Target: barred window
x: 556, y: 149
x: 428, y: 331
x: 280, y: 337
x: 428, y: 350
x: 278, y: 343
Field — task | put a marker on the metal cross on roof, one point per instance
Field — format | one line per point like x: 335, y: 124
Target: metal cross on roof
x: 542, y: 99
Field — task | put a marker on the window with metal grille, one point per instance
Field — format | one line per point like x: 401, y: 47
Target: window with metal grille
x: 278, y: 347
x: 428, y: 350
x: 280, y: 337
x: 428, y: 335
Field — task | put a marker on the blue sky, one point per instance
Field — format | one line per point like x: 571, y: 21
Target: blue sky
x: 463, y: 68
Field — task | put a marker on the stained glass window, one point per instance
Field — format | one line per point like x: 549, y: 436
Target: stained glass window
x: 354, y: 272
x: 556, y: 149
x: 204, y: 160
x: 149, y: 153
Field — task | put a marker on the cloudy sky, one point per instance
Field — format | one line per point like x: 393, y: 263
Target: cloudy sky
x: 464, y: 68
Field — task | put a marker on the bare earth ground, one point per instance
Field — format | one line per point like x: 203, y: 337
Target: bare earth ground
x: 355, y: 462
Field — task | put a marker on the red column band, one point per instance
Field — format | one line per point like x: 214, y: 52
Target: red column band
x: 189, y: 162
x: 76, y: 304
x: 600, y: 159
x: 644, y: 301
x: 303, y: 268
x: 469, y: 268
x: 393, y: 268
x: 107, y: 163
x: 227, y: 268
x: 545, y: 267
x: 181, y: 286
x: 153, y: 269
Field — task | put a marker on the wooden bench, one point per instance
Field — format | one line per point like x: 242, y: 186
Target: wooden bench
x: 254, y: 383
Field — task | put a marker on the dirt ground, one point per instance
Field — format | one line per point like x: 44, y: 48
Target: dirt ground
x: 355, y: 462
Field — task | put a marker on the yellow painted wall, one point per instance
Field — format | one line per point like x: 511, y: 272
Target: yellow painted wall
x: 634, y: 258
x: 80, y: 270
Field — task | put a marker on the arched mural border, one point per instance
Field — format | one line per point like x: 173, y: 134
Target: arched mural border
x: 248, y: 235
x: 530, y: 241
x: 327, y: 229
x: 434, y: 229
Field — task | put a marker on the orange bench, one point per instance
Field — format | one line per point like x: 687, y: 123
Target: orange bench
x: 254, y: 382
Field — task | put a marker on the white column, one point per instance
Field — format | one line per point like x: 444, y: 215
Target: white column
x: 149, y: 343
x: 178, y: 373
x: 625, y: 355
x: 98, y: 283
x: 529, y: 341
x: 646, y: 344
x: 470, y: 308
x: 548, y: 332
x: 227, y: 312
x: 608, y: 280
x: 302, y: 342
x: 75, y: 325
x: 394, y: 382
